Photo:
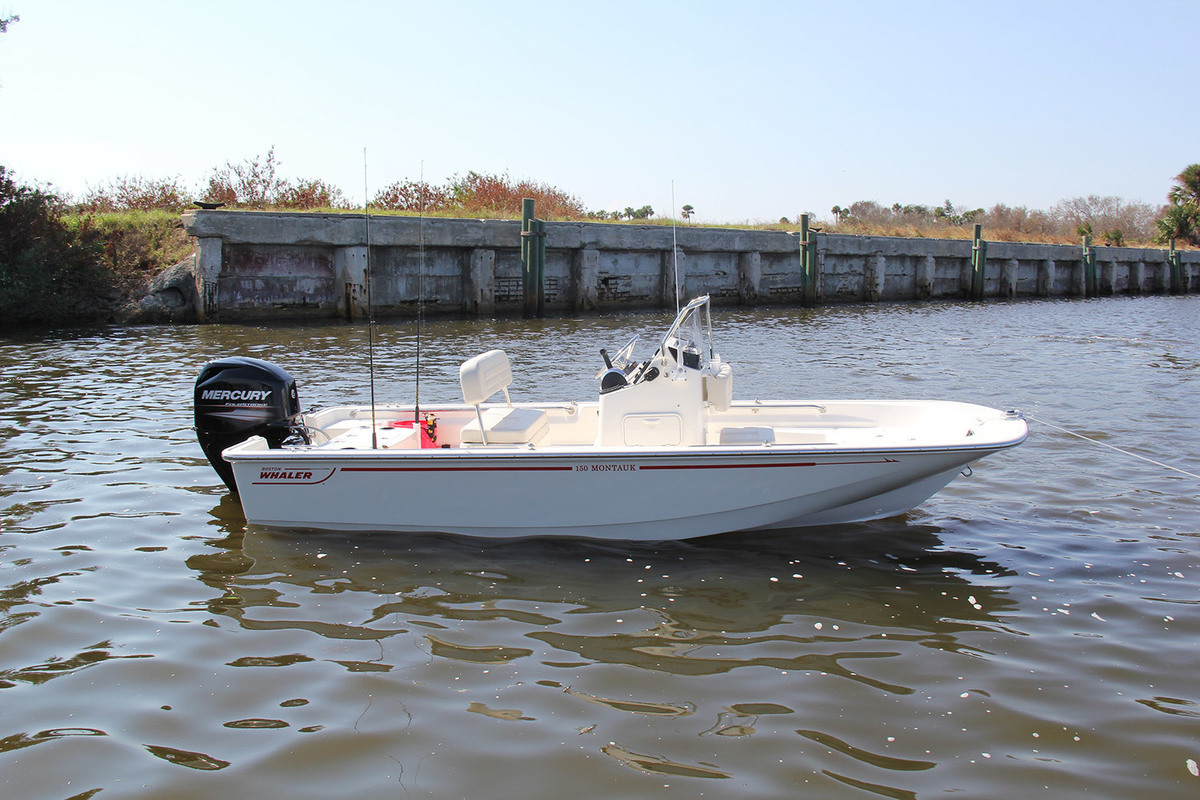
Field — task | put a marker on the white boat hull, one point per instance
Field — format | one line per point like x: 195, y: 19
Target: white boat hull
x: 648, y: 493
x: 663, y: 453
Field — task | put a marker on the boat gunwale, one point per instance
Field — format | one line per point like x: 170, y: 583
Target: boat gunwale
x: 248, y: 451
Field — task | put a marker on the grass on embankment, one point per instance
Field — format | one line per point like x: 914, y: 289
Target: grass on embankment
x: 135, y: 243
x: 933, y: 230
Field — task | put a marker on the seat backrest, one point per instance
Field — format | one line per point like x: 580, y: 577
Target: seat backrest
x: 484, y: 375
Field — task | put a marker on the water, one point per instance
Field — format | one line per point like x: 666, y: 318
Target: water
x: 1030, y: 632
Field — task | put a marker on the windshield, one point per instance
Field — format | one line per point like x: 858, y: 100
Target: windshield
x: 691, y: 335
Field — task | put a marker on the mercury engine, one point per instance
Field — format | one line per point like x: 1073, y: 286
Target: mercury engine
x: 240, y: 397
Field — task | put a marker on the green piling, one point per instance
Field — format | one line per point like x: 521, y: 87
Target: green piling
x: 539, y: 229
x: 978, y: 263
x: 1090, y: 282
x: 808, y: 263
x: 1178, y: 284
x: 527, y: 257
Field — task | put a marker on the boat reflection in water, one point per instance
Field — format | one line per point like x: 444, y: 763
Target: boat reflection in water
x: 808, y: 599
x: 597, y: 648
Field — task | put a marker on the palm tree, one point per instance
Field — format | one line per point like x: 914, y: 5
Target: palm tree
x: 688, y: 211
x: 1187, y: 187
x: 1181, y: 219
x: 1177, y: 223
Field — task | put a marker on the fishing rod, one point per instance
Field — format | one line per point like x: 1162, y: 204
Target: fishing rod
x: 674, y: 248
x: 370, y: 304
x: 420, y: 295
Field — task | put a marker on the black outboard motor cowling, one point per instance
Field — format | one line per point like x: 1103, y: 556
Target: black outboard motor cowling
x: 240, y: 397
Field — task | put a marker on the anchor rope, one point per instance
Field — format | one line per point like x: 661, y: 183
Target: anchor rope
x: 1113, y: 447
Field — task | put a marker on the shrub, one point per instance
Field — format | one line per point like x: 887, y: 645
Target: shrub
x: 135, y: 193
x: 478, y: 194
x: 1094, y: 213
x: 49, y: 272
x: 414, y: 196
x: 253, y: 183
x: 309, y: 194
x: 1021, y: 220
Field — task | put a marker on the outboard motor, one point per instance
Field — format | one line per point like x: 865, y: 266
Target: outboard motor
x: 240, y: 397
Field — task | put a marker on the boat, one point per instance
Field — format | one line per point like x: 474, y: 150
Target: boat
x: 663, y: 452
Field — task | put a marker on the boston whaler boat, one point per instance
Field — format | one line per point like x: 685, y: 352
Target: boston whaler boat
x: 664, y: 453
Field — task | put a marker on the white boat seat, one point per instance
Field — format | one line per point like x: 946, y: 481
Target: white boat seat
x: 504, y: 425
x: 483, y: 376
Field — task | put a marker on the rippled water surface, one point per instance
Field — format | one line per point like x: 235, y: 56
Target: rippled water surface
x: 1032, y: 631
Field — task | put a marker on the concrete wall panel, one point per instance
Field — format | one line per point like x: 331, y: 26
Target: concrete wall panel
x: 271, y: 264
x: 277, y: 278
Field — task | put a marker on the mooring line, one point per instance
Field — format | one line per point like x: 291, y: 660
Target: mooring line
x: 1112, y: 447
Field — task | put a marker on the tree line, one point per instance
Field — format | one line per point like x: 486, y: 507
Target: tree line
x: 256, y: 183
x: 59, y: 254
x: 1109, y: 220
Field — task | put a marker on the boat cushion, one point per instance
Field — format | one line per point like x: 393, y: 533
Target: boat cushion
x: 484, y: 375
x: 507, y: 425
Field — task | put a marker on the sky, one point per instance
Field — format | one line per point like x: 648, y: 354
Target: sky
x: 747, y: 111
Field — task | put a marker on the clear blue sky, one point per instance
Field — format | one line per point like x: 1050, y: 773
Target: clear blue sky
x: 755, y: 110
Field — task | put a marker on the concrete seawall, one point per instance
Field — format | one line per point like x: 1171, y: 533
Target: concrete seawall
x: 260, y: 264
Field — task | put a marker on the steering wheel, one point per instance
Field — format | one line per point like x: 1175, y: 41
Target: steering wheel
x: 622, y: 360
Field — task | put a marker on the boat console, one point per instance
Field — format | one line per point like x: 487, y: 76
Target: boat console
x: 665, y: 399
